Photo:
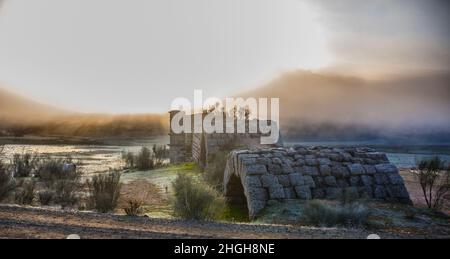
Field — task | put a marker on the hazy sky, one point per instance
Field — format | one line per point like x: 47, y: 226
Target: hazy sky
x: 138, y: 55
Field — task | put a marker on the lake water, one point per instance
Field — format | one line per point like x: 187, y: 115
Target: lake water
x: 90, y: 158
x: 101, y: 158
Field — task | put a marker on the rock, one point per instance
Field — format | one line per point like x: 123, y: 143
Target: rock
x: 367, y: 180
x: 355, y: 169
x: 351, y: 193
x: 254, y: 193
x: 330, y: 181
x: 342, y: 183
x: 397, y: 191
x: 303, y: 192
x: 254, y: 207
x: 309, y: 170
x: 311, y: 162
x: 325, y: 170
x: 309, y: 181
x: 276, y: 192
x: 289, y: 193
x: 318, y: 193
x: 370, y: 169
x: 269, y: 180
x: 297, y: 179
x: 324, y: 161
x: 253, y: 181
x: 287, y: 169
x: 386, y: 168
x: 379, y: 192
x: 381, y: 179
x: 277, y: 160
x: 255, y: 169
x: 355, y: 181
x: 365, y: 192
x: 284, y: 180
x: 274, y: 168
x: 395, y: 178
x: 339, y: 171
x: 334, y: 193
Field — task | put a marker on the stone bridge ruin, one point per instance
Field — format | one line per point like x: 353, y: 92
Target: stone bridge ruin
x: 256, y: 174
x: 252, y: 178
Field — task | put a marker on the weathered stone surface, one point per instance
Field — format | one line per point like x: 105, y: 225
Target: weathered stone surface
x: 284, y: 180
x: 255, y: 169
x: 356, y: 169
x: 320, y: 173
x: 256, y: 193
x: 367, y: 180
x: 303, y: 192
x: 253, y: 181
x: 324, y: 161
x: 395, y: 178
x: 309, y: 181
x: 370, y: 169
x: 318, y: 193
x: 269, y: 180
x: 351, y: 193
x: 386, y: 168
x: 381, y: 179
x: 342, y: 183
x: 330, y: 181
x: 334, y: 193
x: 325, y: 170
x: 380, y: 192
x: 310, y: 170
x: 297, y: 179
x: 355, y: 181
x: 311, y: 162
x: 289, y: 193
x: 276, y: 192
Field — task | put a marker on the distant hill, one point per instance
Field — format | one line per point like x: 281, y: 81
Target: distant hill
x: 20, y: 116
x: 332, y: 107
x: 14, y: 107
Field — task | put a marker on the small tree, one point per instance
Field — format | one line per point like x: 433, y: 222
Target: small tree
x: 434, y: 179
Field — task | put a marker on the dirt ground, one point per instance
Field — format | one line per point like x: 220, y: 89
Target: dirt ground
x: 26, y: 223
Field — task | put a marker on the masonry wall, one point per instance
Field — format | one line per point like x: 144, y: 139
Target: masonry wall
x: 311, y: 173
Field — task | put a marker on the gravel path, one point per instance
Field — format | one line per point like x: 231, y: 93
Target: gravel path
x: 25, y: 222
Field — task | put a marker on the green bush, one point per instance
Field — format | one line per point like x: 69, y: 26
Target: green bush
x: 195, y: 200
x: 318, y: 213
x: 105, y: 191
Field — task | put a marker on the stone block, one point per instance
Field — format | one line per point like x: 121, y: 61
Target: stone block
x: 296, y: 179
x: 303, y: 192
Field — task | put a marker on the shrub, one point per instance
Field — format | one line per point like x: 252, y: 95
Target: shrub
x: 134, y: 207
x: 318, y: 213
x: 160, y: 154
x: 65, y: 185
x: 195, y: 200
x: 214, y: 171
x: 45, y: 197
x: 6, y: 182
x: 434, y: 179
x: 25, y: 193
x: 105, y: 191
x: 129, y: 159
x: 24, y: 164
x: 144, y: 160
